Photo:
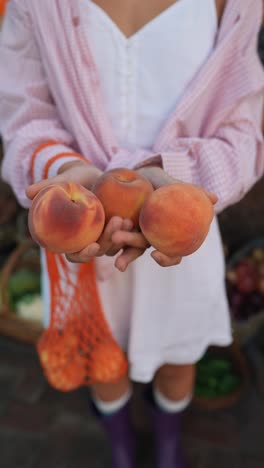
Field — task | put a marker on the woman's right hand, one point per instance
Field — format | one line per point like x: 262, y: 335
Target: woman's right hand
x: 86, y: 175
x: 105, y: 244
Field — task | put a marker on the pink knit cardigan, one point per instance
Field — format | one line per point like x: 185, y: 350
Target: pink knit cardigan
x: 50, y: 91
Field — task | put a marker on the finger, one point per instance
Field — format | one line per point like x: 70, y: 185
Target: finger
x: 129, y: 255
x: 127, y: 225
x: 114, y: 249
x: 132, y: 239
x: 85, y: 255
x: 164, y: 260
x: 105, y: 240
x: 33, y: 190
x: 212, y: 197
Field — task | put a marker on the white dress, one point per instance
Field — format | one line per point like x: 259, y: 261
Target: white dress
x: 159, y: 315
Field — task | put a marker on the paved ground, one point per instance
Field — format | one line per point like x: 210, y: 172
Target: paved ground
x: 42, y: 428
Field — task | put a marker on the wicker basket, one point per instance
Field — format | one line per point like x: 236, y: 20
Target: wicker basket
x: 26, y: 255
x: 240, y: 364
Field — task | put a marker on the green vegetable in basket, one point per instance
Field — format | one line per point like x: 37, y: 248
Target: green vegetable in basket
x: 209, y: 365
x: 205, y: 392
x: 215, y: 377
x: 23, y: 281
x: 229, y: 384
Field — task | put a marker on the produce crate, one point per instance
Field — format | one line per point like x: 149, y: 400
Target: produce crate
x: 247, y: 298
x: 26, y: 255
x: 240, y: 365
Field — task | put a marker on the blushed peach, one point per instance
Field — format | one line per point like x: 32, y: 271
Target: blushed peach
x: 122, y: 193
x: 176, y: 219
x: 65, y: 218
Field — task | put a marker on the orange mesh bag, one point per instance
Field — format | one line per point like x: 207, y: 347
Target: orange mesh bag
x: 2, y: 7
x: 78, y: 348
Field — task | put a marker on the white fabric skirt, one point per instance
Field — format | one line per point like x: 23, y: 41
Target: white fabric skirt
x: 166, y: 315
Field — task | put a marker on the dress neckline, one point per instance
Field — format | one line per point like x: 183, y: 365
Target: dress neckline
x: 150, y: 24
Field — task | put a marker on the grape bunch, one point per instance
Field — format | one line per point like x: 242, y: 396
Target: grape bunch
x: 245, y: 285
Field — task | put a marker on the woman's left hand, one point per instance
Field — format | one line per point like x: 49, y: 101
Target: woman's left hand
x: 158, y: 178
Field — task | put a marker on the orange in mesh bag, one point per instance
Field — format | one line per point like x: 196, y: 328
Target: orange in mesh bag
x: 78, y: 347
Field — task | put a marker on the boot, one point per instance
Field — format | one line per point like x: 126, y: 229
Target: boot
x: 167, y: 432
x: 121, y: 437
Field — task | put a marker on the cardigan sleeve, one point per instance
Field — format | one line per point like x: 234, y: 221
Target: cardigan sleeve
x: 35, y: 142
x: 230, y: 162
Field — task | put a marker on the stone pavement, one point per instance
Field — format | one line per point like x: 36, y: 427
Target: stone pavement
x: 42, y: 428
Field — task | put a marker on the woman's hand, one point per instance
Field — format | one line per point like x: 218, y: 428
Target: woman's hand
x: 105, y: 244
x: 158, y: 178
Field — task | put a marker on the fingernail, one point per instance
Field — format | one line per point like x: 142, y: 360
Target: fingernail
x: 121, y: 267
x: 158, y: 258
x: 95, y: 251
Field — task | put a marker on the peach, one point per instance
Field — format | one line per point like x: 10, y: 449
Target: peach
x: 176, y: 219
x: 65, y: 379
x: 108, y: 363
x: 122, y: 193
x: 65, y: 218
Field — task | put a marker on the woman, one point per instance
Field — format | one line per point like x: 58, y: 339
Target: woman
x: 175, y: 90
